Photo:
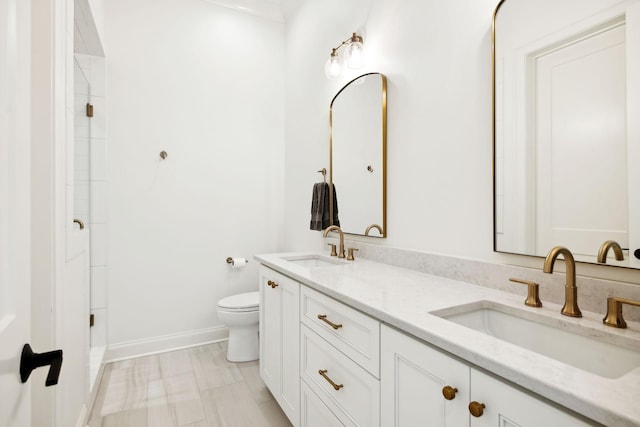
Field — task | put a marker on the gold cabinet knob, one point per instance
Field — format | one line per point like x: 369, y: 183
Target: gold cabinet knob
x: 449, y: 392
x: 272, y: 284
x: 476, y: 408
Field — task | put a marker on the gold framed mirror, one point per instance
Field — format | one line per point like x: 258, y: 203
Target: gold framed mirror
x: 358, y: 155
x: 566, y: 139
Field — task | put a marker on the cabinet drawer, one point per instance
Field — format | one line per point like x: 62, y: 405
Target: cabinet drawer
x: 355, y: 334
x: 315, y: 413
x: 358, y: 395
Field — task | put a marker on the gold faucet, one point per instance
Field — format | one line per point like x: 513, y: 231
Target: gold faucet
x: 336, y: 228
x: 570, y: 307
x: 604, y: 249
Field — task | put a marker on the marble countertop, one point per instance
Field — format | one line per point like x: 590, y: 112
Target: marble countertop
x: 405, y: 299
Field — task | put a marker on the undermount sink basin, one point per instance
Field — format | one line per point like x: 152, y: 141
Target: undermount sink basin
x: 588, y: 348
x: 313, y: 261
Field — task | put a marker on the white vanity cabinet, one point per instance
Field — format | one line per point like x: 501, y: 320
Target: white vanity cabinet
x: 280, y: 340
x: 413, y: 379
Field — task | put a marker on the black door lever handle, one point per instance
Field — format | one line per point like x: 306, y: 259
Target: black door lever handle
x: 30, y: 361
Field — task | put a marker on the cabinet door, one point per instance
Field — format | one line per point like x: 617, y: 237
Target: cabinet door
x: 290, y: 356
x: 506, y: 406
x: 280, y: 340
x: 270, y: 333
x: 412, y: 376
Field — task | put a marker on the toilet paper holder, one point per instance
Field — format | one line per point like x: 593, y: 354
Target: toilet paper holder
x: 231, y: 261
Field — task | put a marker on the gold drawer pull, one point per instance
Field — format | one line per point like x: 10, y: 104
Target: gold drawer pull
x: 449, y: 392
x: 476, y: 408
x: 272, y: 284
x: 323, y: 317
x: 329, y: 380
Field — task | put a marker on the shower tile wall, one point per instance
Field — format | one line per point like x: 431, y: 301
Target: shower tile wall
x: 96, y: 189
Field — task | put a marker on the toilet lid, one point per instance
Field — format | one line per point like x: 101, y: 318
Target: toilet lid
x: 241, y: 301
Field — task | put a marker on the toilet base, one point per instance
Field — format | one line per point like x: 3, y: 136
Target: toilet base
x: 243, y: 344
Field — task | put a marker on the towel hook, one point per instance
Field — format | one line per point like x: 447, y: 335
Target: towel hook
x: 323, y: 171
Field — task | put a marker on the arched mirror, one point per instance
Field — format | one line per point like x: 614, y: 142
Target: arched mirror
x: 358, y: 139
x: 566, y: 128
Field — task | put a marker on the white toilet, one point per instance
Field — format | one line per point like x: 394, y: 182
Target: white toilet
x: 241, y: 314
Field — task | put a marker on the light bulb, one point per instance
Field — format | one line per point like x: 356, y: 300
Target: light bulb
x: 355, y: 55
x: 333, y: 67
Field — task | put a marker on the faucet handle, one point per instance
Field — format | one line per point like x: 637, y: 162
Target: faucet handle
x: 614, y: 312
x: 350, y: 254
x: 533, y: 292
x: 333, y: 249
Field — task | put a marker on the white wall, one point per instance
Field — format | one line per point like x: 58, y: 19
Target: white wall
x: 437, y: 58
x: 97, y: 11
x: 206, y: 84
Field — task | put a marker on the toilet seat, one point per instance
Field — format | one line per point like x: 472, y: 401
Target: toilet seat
x: 248, y: 301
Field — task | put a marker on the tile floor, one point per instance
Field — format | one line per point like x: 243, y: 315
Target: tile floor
x: 194, y: 387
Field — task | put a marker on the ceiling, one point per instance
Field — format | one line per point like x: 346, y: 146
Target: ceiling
x: 277, y: 10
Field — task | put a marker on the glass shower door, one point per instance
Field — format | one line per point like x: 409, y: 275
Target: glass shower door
x: 82, y: 158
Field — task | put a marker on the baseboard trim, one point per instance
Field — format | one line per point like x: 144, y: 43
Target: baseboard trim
x: 139, y: 348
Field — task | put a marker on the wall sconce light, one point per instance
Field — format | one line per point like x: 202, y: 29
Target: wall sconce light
x: 354, y: 56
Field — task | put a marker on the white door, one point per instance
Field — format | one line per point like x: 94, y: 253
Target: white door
x: 15, y: 281
x: 582, y: 144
